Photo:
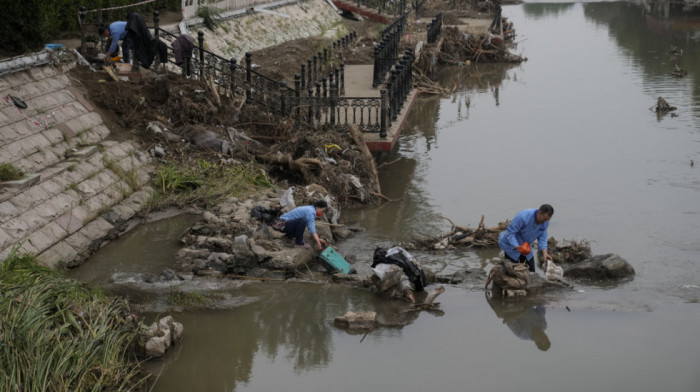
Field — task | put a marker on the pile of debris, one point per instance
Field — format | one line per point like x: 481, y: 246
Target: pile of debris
x: 461, y: 47
x: 462, y: 237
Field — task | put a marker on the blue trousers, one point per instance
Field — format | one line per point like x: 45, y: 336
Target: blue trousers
x: 295, y: 228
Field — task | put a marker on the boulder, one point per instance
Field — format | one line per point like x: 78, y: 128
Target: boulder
x: 340, y: 232
x: 600, y: 267
x: 243, y: 255
x: 157, y: 338
x: 360, y: 321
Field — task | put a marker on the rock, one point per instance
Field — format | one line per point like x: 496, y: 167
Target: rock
x: 323, y: 230
x: 264, y: 232
x: 191, y: 254
x: 158, y: 337
x: 340, y: 232
x: 244, y: 256
x: 214, y: 243
x: 209, y: 273
x: 168, y: 275
x: 210, y: 217
x: 600, y: 267
x: 257, y: 272
x: 355, y: 279
x: 158, y: 151
x: 201, y: 228
x: 186, y: 276
x: 473, y: 276
x: 360, y: 321
x: 156, y: 127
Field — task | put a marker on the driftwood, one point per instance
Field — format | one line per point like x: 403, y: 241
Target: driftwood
x: 360, y: 143
x: 678, y: 72
x: 366, y: 321
x: 662, y: 106
x: 428, y: 303
x: 464, y: 237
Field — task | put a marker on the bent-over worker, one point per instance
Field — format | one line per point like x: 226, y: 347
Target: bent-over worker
x: 117, y: 31
x: 527, y: 226
x: 295, y: 222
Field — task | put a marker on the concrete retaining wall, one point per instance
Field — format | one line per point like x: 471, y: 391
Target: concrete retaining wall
x: 258, y: 30
x: 87, y: 184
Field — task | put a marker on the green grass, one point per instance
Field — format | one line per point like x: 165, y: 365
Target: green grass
x: 205, y: 183
x: 130, y: 177
x: 10, y: 173
x: 57, y: 335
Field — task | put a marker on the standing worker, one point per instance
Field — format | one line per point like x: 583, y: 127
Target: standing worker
x: 117, y: 31
x: 527, y: 226
x: 295, y: 222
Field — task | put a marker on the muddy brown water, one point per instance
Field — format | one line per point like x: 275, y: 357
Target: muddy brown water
x: 570, y: 127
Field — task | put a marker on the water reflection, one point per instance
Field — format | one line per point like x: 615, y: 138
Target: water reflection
x: 546, y: 10
x: 524, y: 318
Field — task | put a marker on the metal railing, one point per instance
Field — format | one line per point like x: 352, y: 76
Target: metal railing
x: 386, y: 52
x: 327, y: 64
x: 316, y: 104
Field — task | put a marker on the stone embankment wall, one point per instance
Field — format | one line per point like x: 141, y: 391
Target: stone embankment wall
x: 254, y: 31
x: 87, y: 185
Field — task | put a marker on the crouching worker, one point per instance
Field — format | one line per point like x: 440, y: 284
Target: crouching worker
x: 295, y: 222
x: 397, y: 274
x: 526, y: 227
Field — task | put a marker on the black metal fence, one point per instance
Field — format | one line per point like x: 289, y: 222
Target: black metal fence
x: 315, y: 103
x: 434, y: 28
x: 327, y: 65
x: 386, y: 52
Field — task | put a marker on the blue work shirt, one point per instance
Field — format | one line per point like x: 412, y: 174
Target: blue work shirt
x: 308, y: 213
x: 118, y: 32
x: 523, y: 229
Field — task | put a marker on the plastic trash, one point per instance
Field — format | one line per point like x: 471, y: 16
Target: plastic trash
x: 287, y: 199
x: 553, y: 271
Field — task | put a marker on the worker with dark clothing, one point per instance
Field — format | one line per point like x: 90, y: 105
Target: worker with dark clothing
x: 526, y: 227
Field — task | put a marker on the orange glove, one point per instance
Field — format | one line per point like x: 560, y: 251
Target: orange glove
x: 524, y: 248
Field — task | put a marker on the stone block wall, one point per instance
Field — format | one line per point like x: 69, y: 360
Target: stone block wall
x: 88, y: 184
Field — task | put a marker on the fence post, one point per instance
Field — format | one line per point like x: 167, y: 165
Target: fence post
x: 200, y: 38
x: 375, y: 76
x: 303, y: 76
x: 323, y: 84
x: 311, y: 104
x: 156, y: 20
x: 337, y: 79
x: 297, y: 95
x: 283, y: 98
x: 248, y: 76
x: 308, y: 70
x: 318, y: 100
x: 325, y: 55
x: 334, y: 97
x: 342, y: 77
x: 382, y: 114
x: 232, y: 67
x: 330, y: 78
x: 393, y: 96
x: 83, y: 47
x: 315, y: 69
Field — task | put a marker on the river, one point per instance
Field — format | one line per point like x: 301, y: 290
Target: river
x: 570, y: 127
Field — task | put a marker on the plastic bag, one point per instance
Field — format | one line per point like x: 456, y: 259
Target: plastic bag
x: 553, y: 272
x: 287, y: 199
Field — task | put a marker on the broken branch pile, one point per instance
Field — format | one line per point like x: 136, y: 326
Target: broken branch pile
x: 463, y: 237
x: 459, y: 47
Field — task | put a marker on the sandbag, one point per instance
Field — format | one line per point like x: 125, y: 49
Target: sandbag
x: 509, y: 276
